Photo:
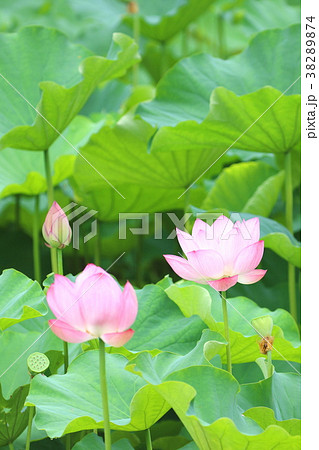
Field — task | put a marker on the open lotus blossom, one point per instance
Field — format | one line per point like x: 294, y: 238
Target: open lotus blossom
x: 92, y: 307
x: 221, y: 254
x: 56, y: 229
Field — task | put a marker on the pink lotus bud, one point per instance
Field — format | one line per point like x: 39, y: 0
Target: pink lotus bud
x: 56, y: 229
x: 93, y: 307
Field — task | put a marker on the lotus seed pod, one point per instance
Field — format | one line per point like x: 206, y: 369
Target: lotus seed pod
x: 37, y: 363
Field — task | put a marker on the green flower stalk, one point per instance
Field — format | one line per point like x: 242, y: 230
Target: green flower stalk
x: 105, y: 402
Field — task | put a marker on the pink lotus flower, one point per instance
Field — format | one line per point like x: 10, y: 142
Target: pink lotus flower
x: 92, y: 307
x: 56, y: 229
x: 220, y: 255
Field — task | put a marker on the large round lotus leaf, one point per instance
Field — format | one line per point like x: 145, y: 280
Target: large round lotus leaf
x: 192, y: 80
x: 193, y: 299
x: 76, y: 397
x: 13, y: 415
x: 58, y: 78
x: 133, y: 404
x: 13, y: 364
x: 121, y: 154
x: 20, y: 298
x: 257, y: 195
x: 161, y: 325
x: 263, y: 121
x: 210, y: 404
x: 24, y: 172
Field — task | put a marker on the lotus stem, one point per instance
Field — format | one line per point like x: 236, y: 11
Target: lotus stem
x: 289, y: 225
x: 48, y: 177
x: 139, y: 260
x: 187, y: 201
x: 17, y: 211
x: 105, y: 403
x: 31, y: 414
x: 36, y: 241
x: 65, y: 344
x: 148, y: 439
x: 68, y: 442
x: 59, y: 261
x: 50, y: 201
x: 11, y: 447
x: 226, y: 328
x: 97, y: 246
x: 136, y: 35
x: 269, y: 365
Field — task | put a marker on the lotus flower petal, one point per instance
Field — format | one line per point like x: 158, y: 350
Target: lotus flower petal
x: 186, y: 241
x: 207, y: 263
x: 63, y: 301
x: 90, y: 269
x: 129, y: 307
x: 199, y: 225
x: 221, y: 254
x: 224, y: 283
x: 249, y: 258
x: 67, y: 333
x: 93, y: 306
x: 249, y: 230
x: 221, y: 227
x: 117, y: 339
x: 183, y: 268
x: 251, y: 277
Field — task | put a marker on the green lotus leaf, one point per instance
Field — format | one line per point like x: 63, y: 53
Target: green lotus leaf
x: 24, y: 172
x: 133, y: 405
x: 121, y: 155
x: 20, y: 298
x: 24, y: 338
x: 122, y: 444
x: 169, y: 435
x: 58, y: 89
x: 275, y: 393
x: 92, y: 191
x: 266, y: 416
x: 197, y: 300
x: 13, y: 415
x: 162, y: 20
x: 90, y: 441
x: 208, y: 402
x: 192, y: 80
x: 90, y: 24
x: 76, y: 398
x: 166, y: 363
x: 257, y: 186
x: 263, y: 121
x: 160, y: 325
